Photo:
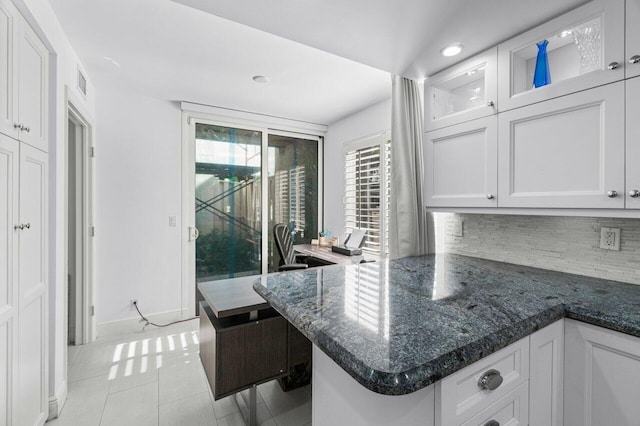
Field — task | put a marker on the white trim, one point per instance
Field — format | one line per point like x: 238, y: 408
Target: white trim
x: 248, y: 118
x: 57, y: 401
x: 136, y: 324
x: 74, y: 110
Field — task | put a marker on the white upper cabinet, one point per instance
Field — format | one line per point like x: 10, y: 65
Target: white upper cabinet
x: 24, y: 70
x: 8, y: 75
x: 461, y: 165
x: 564, y: 153
x: 585, y: 49
x: 633, y: 143
x: 32, y: 103
x: 632, y: 66
x: 464, y: 92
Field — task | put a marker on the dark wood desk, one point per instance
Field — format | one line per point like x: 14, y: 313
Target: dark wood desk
x: 244, y: 341
x: 325, y: 254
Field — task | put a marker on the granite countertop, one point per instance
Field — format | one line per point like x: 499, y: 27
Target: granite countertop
x: 400, y: 325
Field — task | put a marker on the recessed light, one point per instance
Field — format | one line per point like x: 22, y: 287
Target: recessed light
x: 260, y: 79
x: 452, y: 50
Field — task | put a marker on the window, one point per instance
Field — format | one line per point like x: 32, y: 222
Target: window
x: 367, y: 187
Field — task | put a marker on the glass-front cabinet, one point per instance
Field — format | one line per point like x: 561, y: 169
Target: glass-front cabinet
x: 464, y: 92
x: 578, y: 50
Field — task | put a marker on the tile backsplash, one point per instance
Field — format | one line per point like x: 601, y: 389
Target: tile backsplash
x: 567, y: 244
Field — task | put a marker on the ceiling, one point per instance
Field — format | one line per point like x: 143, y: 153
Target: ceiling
x: 325, y: 59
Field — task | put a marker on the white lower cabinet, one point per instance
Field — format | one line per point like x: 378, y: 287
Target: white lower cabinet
x: 546, y: 375
x: 23, y: 284
x: 567, y: 152
x: 602, y: 376
x: 510, y: 410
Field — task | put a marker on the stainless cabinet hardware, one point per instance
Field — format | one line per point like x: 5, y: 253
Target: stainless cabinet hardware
x: 490, y: 104
x: 18, y: 226
x: 27, y: 225
x: 634, y: 193
x: 490, y: 197
x: 490, y: 380
x: 492, y: 423
x: 17, y: 125
x: 634, y: 59
x: 613, y: 66
x: 22, y: 226
x: 612, y: 194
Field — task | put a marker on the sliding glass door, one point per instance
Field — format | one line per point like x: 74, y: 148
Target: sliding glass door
x: 228, y: 196
x: 293, y: 189
x: 235, y: 231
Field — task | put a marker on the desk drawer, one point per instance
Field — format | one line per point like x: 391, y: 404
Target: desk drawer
x: 460, y: 396
x: 238, y: 354
x: 511, y: 410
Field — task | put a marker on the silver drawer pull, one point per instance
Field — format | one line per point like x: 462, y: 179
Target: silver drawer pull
x: 492, y: 423
x: 634, y: 59
x: 613, y: 66
x: 490, y: 380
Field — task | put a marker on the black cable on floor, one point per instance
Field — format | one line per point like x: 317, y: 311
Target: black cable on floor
x: 135, y: 304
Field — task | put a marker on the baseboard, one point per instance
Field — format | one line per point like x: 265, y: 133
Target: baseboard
x: 132, y: 325
x: 56, y: 402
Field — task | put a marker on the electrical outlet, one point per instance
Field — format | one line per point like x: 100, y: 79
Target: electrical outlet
x: 610, y: 238
x: 131, y: 304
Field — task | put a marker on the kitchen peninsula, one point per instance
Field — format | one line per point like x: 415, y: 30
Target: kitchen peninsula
x: 461, y: 338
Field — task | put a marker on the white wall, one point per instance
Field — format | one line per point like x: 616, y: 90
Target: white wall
x: 64, y: 66
x: 369, y: 121
x: 138, y: 186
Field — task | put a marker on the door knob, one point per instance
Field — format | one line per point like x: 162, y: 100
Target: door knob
x: 634, y: 59
x: 612, y: 194
x: 613, y: 66
x: 634, y: 193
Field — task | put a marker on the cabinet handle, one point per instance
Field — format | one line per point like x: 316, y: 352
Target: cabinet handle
x: 17, y: 126
x: 490, y: 104
x: 634, y: 193
x: 634, y: 59
x: 490, y: 380
x: 492, y: 423
x: 22, y: 226
x: 612, y: 194
x: 27, y: 225
x: 16, y: 227
x: 27, y: 129
x: 490, y: 197
x: 613, y: 66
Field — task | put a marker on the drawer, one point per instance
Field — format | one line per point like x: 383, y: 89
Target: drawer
x: 459, y: 396
x: 511, y: 410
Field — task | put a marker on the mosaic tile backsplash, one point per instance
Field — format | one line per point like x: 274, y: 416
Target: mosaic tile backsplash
x: 566, y: 244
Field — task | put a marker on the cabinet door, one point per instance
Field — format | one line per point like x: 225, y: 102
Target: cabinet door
x: 633, y: 143
x: 461, y: 165
x: 564, y: 153
x: 464, y: 92
x: 632, y: 66
x: 546, y: 362
x: 582, y: 45
x: 602, y: 376
x: 33, y: 375
x: 33, y: 91
x: 8, y: 75
x: 9, y: 159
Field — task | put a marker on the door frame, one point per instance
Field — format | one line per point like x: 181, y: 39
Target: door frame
x: 85, y: 319
x: 229, y: 118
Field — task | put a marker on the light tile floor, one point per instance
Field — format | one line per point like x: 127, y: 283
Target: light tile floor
x: 154, y: 377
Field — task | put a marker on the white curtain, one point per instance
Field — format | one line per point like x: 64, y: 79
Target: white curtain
x: 407, y: 222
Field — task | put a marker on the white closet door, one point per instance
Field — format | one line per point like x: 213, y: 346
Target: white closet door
x: 33, y: 287
x: 8, y: 67
x: 33, y: 71
x: 9, y: 159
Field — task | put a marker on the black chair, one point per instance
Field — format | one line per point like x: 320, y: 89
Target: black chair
x: 288, y: 259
